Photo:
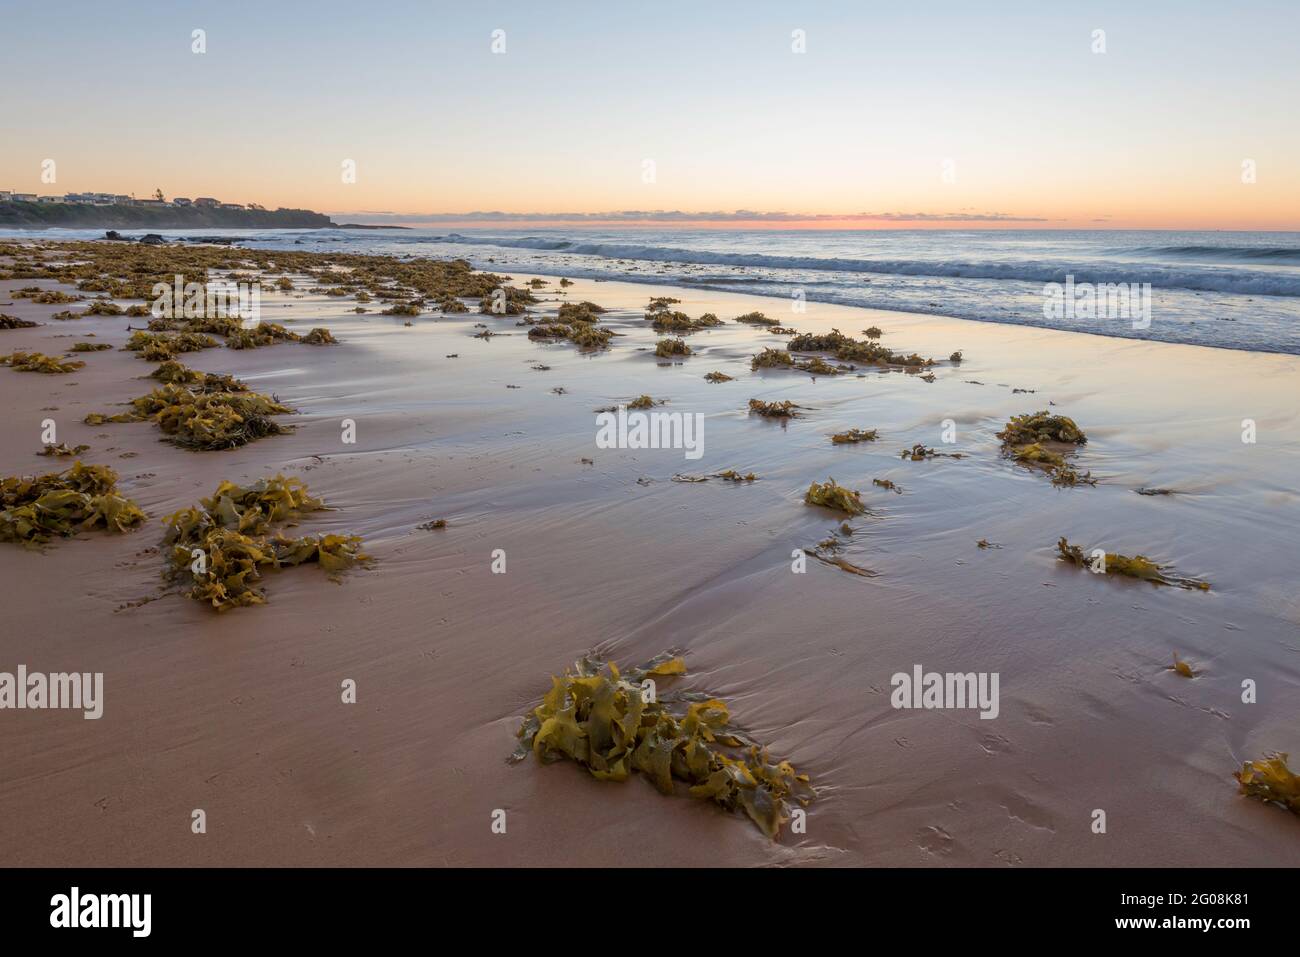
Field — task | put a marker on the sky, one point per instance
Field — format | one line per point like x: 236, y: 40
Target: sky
x: 896, y: 114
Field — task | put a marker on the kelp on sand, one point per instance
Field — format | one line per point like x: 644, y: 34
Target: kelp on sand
x: 1136, y: 566
x: 40, y: 362
x: 34, y: 510
x: 615, y: 722
x: 221, y: 547
x: 1271, y: 781
x: 1029, y: 439
x: 192, y: 417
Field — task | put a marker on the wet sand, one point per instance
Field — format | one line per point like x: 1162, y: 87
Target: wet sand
x: 240, y: 714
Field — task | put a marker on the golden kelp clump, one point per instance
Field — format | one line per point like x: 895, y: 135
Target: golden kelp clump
x: 263, y: 334
x: 833, y: 496
x: 1270, y: 781
x: 1137, y: 566
x: 847, y: 349
x: 772, y: 359
x: 778, y: 359
x: 774, y: 410
x: 576, y: 323
x: 319, y: 337
x: 220, y: 548
x: 506, y: 301
x: 43, y: 296
x: 35, y: 509
x: 853, y: 436
x: 612, y: 723
x: 1041, y: 427
x: 12, y: 322
x: 756, y: 319
x: 670, y: 320
x: 717, y: 377
x: 62, y: 450
x: 672, y: 347
x: 580, y: 312
x: 40, y: 362
x: 173, y: 371
x: 1053, y: 463
x: 91, y: 346
x: 210, y: 420
x: 161, y: 346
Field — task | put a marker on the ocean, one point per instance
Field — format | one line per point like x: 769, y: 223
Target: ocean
x: 1234, y: 290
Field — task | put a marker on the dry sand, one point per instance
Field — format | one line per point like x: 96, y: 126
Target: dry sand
x: 240, y: 714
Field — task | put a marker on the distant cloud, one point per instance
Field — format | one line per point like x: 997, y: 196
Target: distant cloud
x: 680, y: 216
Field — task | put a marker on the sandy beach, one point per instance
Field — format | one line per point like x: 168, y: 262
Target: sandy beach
x: 239, y: 713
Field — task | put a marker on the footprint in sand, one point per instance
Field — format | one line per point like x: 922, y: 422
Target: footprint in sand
x: 936, y: 840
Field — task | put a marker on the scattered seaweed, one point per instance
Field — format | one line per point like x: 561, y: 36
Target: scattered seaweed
x: 668, y: 320
x: 40, y: 362
x: 90, y: 346
x: 919, y: 453
x: 33, y: 510
x: 318, y: 337
x: 231, y: 534
x: 1271, y: 781
x: 888, y: 484
x: 62, y: 449
x: 1137, y: 566
x: 672, y: 347
x: 833, y: 496
x: 263, y: 334
x: 615, y: 722
x: 173, y: 371
x: 855, y: 435
x: 731, y: 475
x: 1023, y: 439
x: 756, y: 319
x: 12, y: 322
x: 847, y: 349
x: 775, y: 410
x: 1041, y: 427
x: 160, y: 346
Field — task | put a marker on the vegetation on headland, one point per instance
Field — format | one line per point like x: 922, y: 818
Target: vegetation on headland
x: 22, y: 215
x: 612, y: 723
